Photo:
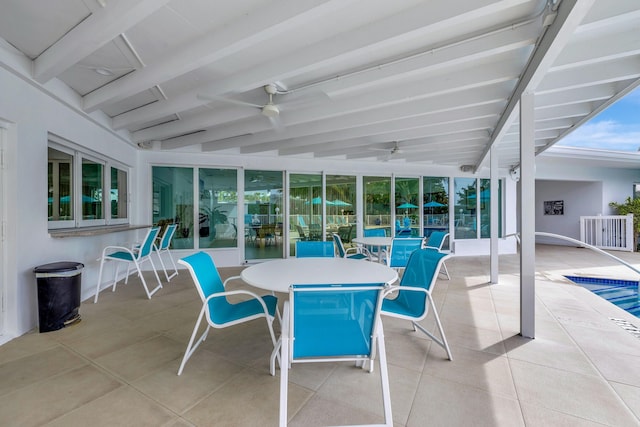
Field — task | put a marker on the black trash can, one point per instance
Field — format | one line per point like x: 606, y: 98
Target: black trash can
x: 59, y: 286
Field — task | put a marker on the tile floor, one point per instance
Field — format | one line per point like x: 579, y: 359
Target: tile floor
x: 118, y: 366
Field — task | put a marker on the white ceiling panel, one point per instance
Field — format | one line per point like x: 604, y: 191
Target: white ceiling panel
x: 354, y: 79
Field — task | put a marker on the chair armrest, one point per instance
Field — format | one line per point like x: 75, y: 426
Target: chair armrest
x: 228, y: 279
x: 359, y: 250
x: 398, y: 288
x: 237, y: 292
x: 117, y: 248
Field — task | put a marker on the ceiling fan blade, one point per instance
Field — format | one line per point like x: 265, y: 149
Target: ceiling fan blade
x: 277, y: 124
x: 304, y: 99
x: 214, y: 98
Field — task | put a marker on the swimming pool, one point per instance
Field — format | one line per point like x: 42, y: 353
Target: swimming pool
x: 623, y: 293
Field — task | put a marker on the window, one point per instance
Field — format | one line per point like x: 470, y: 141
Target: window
x: 436, y: 204
x: 82, y: 202
x: 218, y: 216
x: 306, y: 207
x: 377, y: 203
x: 341, y: 203
x: 173, y: 202
x: 118, y: 193
x: 465, y: 208
x: 92, y: 182
x: 407, y: 222
x: 60, y: 187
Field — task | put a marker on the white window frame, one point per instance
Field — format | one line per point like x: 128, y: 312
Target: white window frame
x: 79, y: 154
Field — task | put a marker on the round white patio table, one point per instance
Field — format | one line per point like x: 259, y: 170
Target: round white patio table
x: 278, y: 275
x: 382, y: 243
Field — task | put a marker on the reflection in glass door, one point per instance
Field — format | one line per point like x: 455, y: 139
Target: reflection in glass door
x: 263, y: 215
x: 305, y: 208
x: 341, y: 206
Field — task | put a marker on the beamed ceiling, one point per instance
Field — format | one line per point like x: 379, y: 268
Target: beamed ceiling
x: 434, y: 81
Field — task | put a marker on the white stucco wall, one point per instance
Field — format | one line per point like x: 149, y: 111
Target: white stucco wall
x: 586, y: 190
x: 32, y: 115
x: 580, y: 198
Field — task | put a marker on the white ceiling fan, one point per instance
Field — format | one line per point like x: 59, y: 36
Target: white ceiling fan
x: 269, y: 110
x: 395, y: 149
x: 272, y: 110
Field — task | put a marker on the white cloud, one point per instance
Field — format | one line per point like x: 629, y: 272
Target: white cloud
x: 606, y: 135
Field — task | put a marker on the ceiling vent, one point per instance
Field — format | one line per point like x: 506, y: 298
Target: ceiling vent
x: 466, y: 168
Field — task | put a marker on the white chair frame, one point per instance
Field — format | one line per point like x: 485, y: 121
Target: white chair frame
x: 130, y: 256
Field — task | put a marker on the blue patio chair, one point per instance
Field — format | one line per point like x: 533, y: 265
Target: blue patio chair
x: 414, y: 294
x: 315, y: 249
x: 375, y: 251
x: 358, y: 252
x: 216, y: 309
x: 136, y: 256
x: 163, y: 247
x: 300, y: 231
x: 400, y: 251
x: 301, y: 222
x: 333, y: 323
x: 436, y: 241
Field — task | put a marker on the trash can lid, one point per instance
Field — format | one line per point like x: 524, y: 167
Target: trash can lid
x: 59, y: 267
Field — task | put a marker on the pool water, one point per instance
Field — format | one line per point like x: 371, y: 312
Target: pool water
x: 623, y: 293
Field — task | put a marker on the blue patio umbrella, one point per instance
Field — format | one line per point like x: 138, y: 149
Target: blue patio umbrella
x: 318, y: 201
x: 339, y: 202
x: 407, y: 206
x: 433, y: 204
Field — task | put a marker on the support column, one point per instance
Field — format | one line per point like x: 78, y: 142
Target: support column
x: 494, y: 207
x: 527, y: 217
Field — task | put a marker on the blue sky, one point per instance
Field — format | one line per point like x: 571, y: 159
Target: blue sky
x: 616, y: 128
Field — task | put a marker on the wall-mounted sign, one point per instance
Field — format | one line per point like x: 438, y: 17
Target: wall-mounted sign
x: 554, y: 207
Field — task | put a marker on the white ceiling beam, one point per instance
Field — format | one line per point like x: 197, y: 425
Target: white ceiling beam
x: 333, y: 148
x: 592, y: 50
x: 269, y: 21
x: 101, y: 27
x: 384, y: 127
x: 405, y: 122
x: 563, y: 111
x: 595, y: 74
x: 574, y: 96
x: 436, y: 59
x: 395, y: 30
x: 452, y: 83
x: 417, y: 22
x: 388, y: 128
x: 206, y: 119
x: 568, y: 17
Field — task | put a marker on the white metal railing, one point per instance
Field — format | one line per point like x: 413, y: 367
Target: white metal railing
x: 612, y: 232
x: 578, y: 242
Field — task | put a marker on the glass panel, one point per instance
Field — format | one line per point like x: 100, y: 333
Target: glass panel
x: 377, y: 203
x: 341, y: 204
x: 262, y: 221
x: 407, y: 209
x: 436, y: 204
x: 465, y: 208
x: 218, y: 208
x: 485, y: 209
x: 173, y: 202
x: 92, y: 185
x: 118, y: 193
x: 305, y: 209
x: 636, y: 191
x: 60, y: 185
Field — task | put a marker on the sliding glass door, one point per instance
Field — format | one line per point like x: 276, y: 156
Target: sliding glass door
x: 263, y: 211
